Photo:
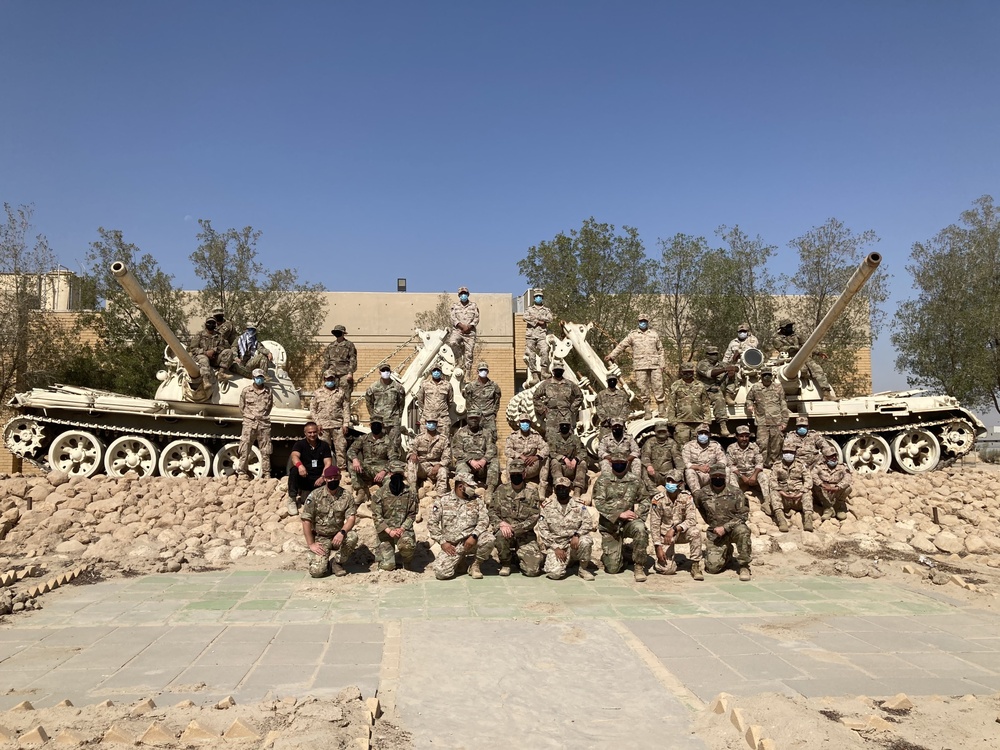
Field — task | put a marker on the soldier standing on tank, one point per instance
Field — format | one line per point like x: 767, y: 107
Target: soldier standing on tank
x: 328, y: 518
x: 557, y: 399
x: 484, y: 394
x: 341, y: 356
x: 536, y: 323
x: 563, y: 531
x: 791, y: 489
x: 610, y: 403
x: 688, y: 404
x: 514, y: 510
x: 370, y: 457
x: 464, y: 325
x: 567, y: 457
x: 474, y: 450
x: 787, y: 343
x: 331, y: 409
x: 394, y: 511
x: 623, y: 508
x: 716, y: 376
x: 725, y: 510
x: 767, y: 406
x: 674, y: 519
x: 459, y: 523
x: 256, y: 402
x: 831, y: 484
x: 699, y: 455
x: 384, y: 399
x: 434, y: 399
x: 527, y: 445
x: 661, y: 457
x: 647, y: 363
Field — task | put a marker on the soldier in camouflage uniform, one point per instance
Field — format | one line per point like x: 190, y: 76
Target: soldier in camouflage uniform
x: 434, y: 399
x: 610, y: 403
x: 688, y: 404
x: 430, y: 458
x: 699, y: 455
x: 256, y: 402
x: 618, y: 441
x: 536, y: 324
x: 715, y: 377
x: 459, y: 522
x: 647, y: 363
x: 567, y: 457
x: 674, y: 519
x: 225, y: 328
x: 513, y: 514
x: 464, y: 324
x: 369, y: 457
x: 623, y: 508
x: 831, y: 484
x: 385, y: 400
x: 563, y: 531
x: 787, y: 342
x: 747, y: 467
x: 809, y: 445
x: 530, y: 447
x: 330, y: 408
x: 744, y: 340
x: 660, y: 456
x: 209, y: 348
x: 474, y: 450
x: 767, y: 406
x: 484, y: 394
x: 328, y: 518
x: 341, y: 356
x: 725, y: 510
x: 557, y: 399
x: 394, y: 510
x: 791, y: 489
x: 250, y: 354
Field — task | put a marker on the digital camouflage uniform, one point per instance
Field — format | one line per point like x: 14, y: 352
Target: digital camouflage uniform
x: 463, y: 344
x: 742, y: 463
x: 695, y: 454
x: 557, y: 401
x: 434, y: 401
x: 467, y: 445
x: 663, y: 456
x: 342, y: 357
x: 536, y: 322
x: 561, y: 448
x: 485, y: 397
x: 519, y: 445
x: 328, y: 512
x: 373, y: 452
x: 610, y: 445
x: 391, y: 511
x: 385, y: 400
x: 831, y: 501
x: 647, y: 365
x: 727, y: 508
x: 519, y: 508
x: 795, y: 479
x: 453, y: 519
x: 611, y: 403
x: 769, y: 410
x: 432, y: 451
x: 331, y: 410
x: 227, y: 332
x: 736, y: 348
x: 613, y: 495
x: 207, y: 341
x: 688, y: 406
x: 255, y: 405
x: 249, y: 356
x: 715, y: 386
x: 557, y: 525
x: 680, y: 514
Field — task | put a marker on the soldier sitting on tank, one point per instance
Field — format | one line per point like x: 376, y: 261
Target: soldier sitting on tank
x: 209, y: 348
x: 791, y: 489
x: 474, y: 450
x: 831, y: 484
x: 715, y: 376
x: 250, y: 353
x: 310, y: 457
x: 787, y: 342
x: 328, y: 518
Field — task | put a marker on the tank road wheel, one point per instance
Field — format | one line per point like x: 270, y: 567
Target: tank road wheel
x: 227, y: 461
x: 916, y: 451
x: 23, y: 436
x: 76, y: 453
x: 131, y: 453
x: 867, y: 454
x: 185, y: 458
x: 957, y: 438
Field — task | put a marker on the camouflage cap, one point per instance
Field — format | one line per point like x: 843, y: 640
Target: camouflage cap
x: 687, y: 367
x: 830, y: 450
x: 789, y: 447
x: 463, y: 289
x: 712, y: 350
x: 218, y: 311
x: 766, y: 371
x: 210, y: 320
x: 785, y: 322
x: 515, y: 464
x: 464, y: 477
x: 253, y: 324
x: 558, y: 364
x: 703, y: 427
x: 329, y: 373
x: 643, y: 315
x: 744, y: 327
x: 338, y: 329
x: 258, y: 373
x: 384, y: 367
x: 673, y: 474
x: 617, y: 422
x: 523, y: 417
x: 475, y: 411
x: 483, y: 366
x: 661, y: 426
x: 376, y: 419
x: 563, y: 482
x: 742, y: 430
x: 397, y: 467
x: 716, y: 469
x: 802, y: 419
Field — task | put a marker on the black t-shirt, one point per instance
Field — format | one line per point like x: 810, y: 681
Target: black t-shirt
x: 312, y: 458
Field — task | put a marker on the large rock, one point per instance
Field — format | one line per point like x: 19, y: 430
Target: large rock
x: 922, y: 543
x: 947, y: 542
x: 57, y: 478
x: 70, y: 548
x: 975, y: 546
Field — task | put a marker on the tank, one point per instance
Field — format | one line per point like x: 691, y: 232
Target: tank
x: 189, y: 428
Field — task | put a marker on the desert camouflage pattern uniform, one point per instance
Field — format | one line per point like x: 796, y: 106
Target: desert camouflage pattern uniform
x: 687, y: 407
x: 464, y: 344
x: 714, y: 386
x: 694, y: 453
x: 831, y: 501
x: 767, y: 406
x: 808, y: 449
x: 647, y: 364
x: 391, y: 511
x: 467, y: 445
x: 434, y: 401
x: 562, y: 447
x: 743, y: 463
x: 787, y: 346
x: 431, y: 451
x: 519, y: 508
x: 519, y: 445
x: 328, y: 512
x: 331, y: 410
x: 613, y: 496
x: 728, y: 509
x: 536, y: 322
x: 255, y: 405
x: 452, y: 519
x: 373, y: 452
x: 794, y: 479
x: 680, y: 514
x: 736, y: 348
x: 557, y: 525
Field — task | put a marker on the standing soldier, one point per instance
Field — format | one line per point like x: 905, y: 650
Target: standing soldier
x: 563, y: 530
x: 328, y: 519
x: 459, y: 522
x: 370, y: 457
x: 342, y: 357
x: 536, y: 324
x: 674, y: 519
x: 831, y: 485
x: 527, y: 445
x: 430, y: 457
x: 747, y: 467
x: 513, y: 514
x: 330, y: 408
x: 766, y: 405
x: 647, y: 363
x: 791, y: 489
x: 394, y: 511
x: 610, y: 403
x: 808, y: 445
x: 699, y: 456
x: 661, y: 457
x: 623, y: 508
x: 484, y: 394
x: 256, y: 402
x: 787, y: 342
x: 618, y: 441
x: 226, y: 329
x: 434, y: 400
x: 385, y: 400
x: 715, y: 377
x: 464, y: 323
x: 725, y: 510
x: 567, y: 458
x: 474, y: 450
x: 557, y: 399
x: 689, y: 405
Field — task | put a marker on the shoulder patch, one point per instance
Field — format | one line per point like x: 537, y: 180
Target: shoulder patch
x: 435, y: 508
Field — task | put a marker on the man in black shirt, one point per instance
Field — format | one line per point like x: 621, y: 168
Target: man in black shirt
x: 305, y: 466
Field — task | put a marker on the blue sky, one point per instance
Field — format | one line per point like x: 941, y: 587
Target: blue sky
x: 437, y: 141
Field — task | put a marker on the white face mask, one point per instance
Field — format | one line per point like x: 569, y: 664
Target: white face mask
x: 742, y: 335
x: 787, y: 457
x: 483, y: 373
x: 387, y: 375
x: 703, y: 439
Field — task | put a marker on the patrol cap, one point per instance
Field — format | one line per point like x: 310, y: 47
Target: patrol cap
x: 802, y: 419
x: 515, y: 464
x: 703, y: 427
x: 784, y: 322
x: 565, y: 420
x: 563, y: 482
x: 766, y: 371
x: 661, y: 426
x: 463, y: 289
x: 687, y: 367
x: 483, y: 366
x: 744, y: 327
x: 612, y: 377
x: 643, y: 316
x: 522, y: 417
x: 331, y: 472
x: 384, y: 367
x: 253, y: 324
x: 716, y: 469
x: 464, y: 477
x: 258, y: 373
x: 397, y: 467
x: 558, y: 364
x: 742, y: 430
x: 712, y: 350
x: 617, y: 422
x: 218, y: 311
x: 829, y: 450
x: 475, y: 411
x: 338, y: 329
x: 210, y: 320
x: 789, y: 446
x: 672, y: 474
x: 376, y: 419
x: 329, y: 374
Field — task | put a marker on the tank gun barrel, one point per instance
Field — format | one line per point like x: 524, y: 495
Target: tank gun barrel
x: 131, y: 286
x: 864, y: 272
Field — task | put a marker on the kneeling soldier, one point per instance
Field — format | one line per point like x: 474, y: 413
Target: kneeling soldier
x: 394, y: 509
x: 564, y: 531
x: 459, y: 522
x: 725, y: 510
x: 513, y: 514
x: 675, y: 519
x: 623, y: 508
x: 328, y: 518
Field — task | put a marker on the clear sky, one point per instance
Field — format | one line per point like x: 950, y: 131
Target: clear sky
x: 437, y: 141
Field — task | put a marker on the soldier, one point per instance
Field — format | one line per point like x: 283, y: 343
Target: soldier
x: 674, y: 519
x: 809, y: 445
x: 725, y: 510
x: 208, y: 348
x: 331, y: 409
x: 394, y: 511
x: 328, y: 519
x: 459, y: 522
x: 647, y: 363
x: 484, y: 394
x: 611, y: 402
x: 527, y: 445
x: 250, y: 354
x: 661, y: 456
x: 567, y: 457
x: 699, y: 455
x: 715, y: 377
x: 536, y: 324
x: 563, y: 530
x: 746, y: 466
x: 225, y: 328
x: 766, y: 405
x: 430, y: 458
x: 370, y: 456
x: 744, y: 340
x: 385, y: 400
x: 791, y: 488
x: 310, y: 457
x: 341, y: 356
x: 557, y: 399
x: 618, y: 441
x: 688, y: 404
x: 623, y: 508
x: 513, y: 514
x: 831, y: 484
x: 434, y: 400
x: 787, y: 342
x: 474, y: 450
x: 464, y: 323
x: 256, y: 402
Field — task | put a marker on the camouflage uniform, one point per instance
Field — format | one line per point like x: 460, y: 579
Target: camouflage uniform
x: 331, y: 410
x: 519, y: 508
x: 808, y: 449
x: 386, y: 401
x: 207, y: 341
x: 695, y: 454
x: 429, y: 451
x: 485, y: 397
x: 467, y: 446
x: 342, y: 357
x: 434, y: 401
x: 794, y: 479
x: 390, y: 511
x: 663, y: 456
x: 679, y: 514
x: 831, y: 501
x: 727, y: 508
x: 463, y: 344
x: 743, y: 463
x: 562, y: 447
x: 452, y: 520
x: 373, y: 452
x: 688, y: 406
x: 227, y: 332
x: 613, y: 495
x: 557, y: 401
x: 769, y: 410
x: 250, y: 356
x: 736, y: 348
x: 610, y: 445
x: 557, y: 525
x: 536, y: 321
x: 647, y: 365
x: 519, y: 445
x: 328, y: 512
x: 715, y: 386
x: 787, y: 345
x: 255, y: 405
x: 611, y: 403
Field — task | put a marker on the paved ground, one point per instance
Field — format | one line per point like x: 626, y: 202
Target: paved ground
x: 525, y: 648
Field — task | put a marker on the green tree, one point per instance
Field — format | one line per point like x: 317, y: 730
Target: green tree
x: 948, y: 338
x: 681, y: 268
x: 437, y: 318
x: 289, y: 311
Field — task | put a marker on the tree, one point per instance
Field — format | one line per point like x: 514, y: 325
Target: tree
x: 437, y: 318
x: 948, y: 338
x: 289, y: 311
x: 682, y: 260
x: 828, y: 257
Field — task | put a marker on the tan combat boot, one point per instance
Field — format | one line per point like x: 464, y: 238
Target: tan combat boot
x: 640, y: 574
x: 585, y: 574
x: 807, y: 520
x: 724, y: 428
x: 744, y: 573
x: 779, y: 518
x: 293, y: 507
x: 474, y: 570
x: 696, y: 572
x: 338, y: 569
x: 504, y: 571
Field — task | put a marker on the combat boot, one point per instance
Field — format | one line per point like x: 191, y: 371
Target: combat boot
x: 696, y: 572
x: 338, y: 569
x: 293, y: 507
x: 779, y: 518
x: 827, y: 395
x: 504, y: 570
x: 807, y: 520
x: 827, y: 514
x: 585, y: 574
x: 640, y: 574
x: 730, y: 400
x: 841, y: 515
x: 648, y: 414
x: 724, y: 428
x: 744, y: 573
x: 474, y: 570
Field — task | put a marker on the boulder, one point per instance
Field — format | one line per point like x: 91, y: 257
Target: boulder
x: 946, y: 541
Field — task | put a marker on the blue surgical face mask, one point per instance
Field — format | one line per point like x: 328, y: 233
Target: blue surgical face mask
x: 643, y: 325
x: 671, y: 487
x: 258, y: 381
x: 464, y: 297
x: 525, y: 426
x: 538, y: 299
x: 742, y: 335
x: 832, y: 463
x: 787, y: 457
x: 801, y: 431
x: 331, y: 384
x: 436, y: 374
x: 703, y: 439
x: 431, y: 426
